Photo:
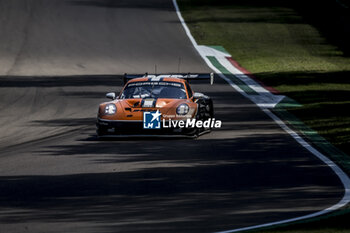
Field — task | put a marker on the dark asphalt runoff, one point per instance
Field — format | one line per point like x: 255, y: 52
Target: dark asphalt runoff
x: 58, y: 58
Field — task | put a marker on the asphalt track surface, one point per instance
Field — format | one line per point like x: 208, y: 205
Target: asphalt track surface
x: 57, y: 61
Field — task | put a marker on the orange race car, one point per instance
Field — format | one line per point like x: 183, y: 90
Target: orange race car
x: 157, y: 105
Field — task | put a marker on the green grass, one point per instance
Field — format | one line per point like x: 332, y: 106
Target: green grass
x: 288, y: 48
x: 298, y: 49
x: 338, y: 223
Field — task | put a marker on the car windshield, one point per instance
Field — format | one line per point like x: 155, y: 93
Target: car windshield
x: 167, y: 90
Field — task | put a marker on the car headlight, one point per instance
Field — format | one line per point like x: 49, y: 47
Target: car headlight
x: 110, y: 109
x: 182, y: 109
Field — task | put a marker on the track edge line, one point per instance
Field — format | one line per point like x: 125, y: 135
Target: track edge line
x: 335, y: 168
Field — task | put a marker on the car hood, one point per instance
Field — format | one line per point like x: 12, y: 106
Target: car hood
x: 132, y: 109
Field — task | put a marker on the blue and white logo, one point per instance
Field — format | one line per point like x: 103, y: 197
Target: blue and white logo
x: 151, y: 120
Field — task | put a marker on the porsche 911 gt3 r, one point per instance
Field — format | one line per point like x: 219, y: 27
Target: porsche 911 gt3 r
x: 147, y: 103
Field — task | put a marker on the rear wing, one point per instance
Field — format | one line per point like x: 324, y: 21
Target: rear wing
x: 188, y: 77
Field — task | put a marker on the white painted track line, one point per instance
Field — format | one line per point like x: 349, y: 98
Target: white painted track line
x: 336, y: 169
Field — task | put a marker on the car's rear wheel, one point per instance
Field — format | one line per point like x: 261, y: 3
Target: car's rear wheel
x: 205, y: 112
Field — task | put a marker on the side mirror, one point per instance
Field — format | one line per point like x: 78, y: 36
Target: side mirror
x: 198, y: 95
x: 111, y: 95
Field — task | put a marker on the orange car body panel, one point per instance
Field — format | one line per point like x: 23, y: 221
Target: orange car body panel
x: 130, y: 109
